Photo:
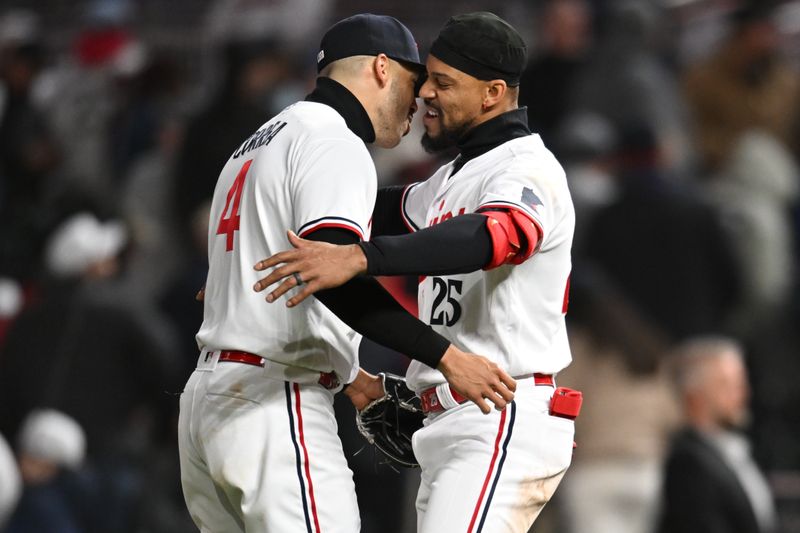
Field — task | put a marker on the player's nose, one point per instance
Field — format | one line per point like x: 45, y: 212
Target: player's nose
x: 426, y: 91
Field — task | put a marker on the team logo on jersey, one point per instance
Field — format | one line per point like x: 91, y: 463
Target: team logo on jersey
x: 530, y: 199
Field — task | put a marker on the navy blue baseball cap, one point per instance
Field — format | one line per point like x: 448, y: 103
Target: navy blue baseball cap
x: 369, y: 35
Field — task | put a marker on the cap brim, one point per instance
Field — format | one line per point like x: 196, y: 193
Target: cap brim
x: 423, y: 76
x: 413, y: 65
x: 419, y: 68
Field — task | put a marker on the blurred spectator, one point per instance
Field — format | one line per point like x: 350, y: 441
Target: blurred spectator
x: 627, y: 82
x: 145, y: 100
x: 27, y: 152
x: 251, y: 70
x: 10, y: 482
x: 286, y: 21
x: 754, y: 192
x: 712, y: 482
x: 745, y: 85
x: 614, y: 481
x: 697, y: 28
x: 661, y: 245
x: 147, y: 206
x: 546, y: 84
x: 80, y: 95
x: 11, y: 301
x: 52, y: 446
x: 586, y: 143
x: 94, y: 357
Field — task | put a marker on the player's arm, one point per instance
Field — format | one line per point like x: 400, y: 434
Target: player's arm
x: 364, y: 305
x: 465, y: 243
x: 482, y: 240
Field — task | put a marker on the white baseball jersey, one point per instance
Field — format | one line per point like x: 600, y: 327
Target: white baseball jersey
x: 303, y: 170
x: 513, y: 314
x: 259, y: 447
x: 494, y: 473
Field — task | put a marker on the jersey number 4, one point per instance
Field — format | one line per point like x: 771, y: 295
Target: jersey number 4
x: 230, y: 223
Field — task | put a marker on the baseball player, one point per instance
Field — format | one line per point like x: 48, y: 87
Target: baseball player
x: 258, y: 443
x: 491, y: 233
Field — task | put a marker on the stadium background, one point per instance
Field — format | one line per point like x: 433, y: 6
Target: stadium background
x: 127, y: 109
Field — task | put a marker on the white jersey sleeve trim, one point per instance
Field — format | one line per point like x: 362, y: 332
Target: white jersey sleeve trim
x: 404, y: 212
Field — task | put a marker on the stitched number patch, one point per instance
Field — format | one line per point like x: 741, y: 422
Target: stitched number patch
x: 229, y: 221
x: 449, y: 290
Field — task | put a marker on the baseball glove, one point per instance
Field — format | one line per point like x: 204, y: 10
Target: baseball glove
x: 389, y: 422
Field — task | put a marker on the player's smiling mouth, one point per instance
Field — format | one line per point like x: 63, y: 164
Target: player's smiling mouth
x: 431, y: 115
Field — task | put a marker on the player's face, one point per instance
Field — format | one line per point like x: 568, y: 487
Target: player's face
x: 394, y: 117
x: 453, y: 102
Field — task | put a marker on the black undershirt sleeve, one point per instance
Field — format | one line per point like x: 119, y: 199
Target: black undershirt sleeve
x: 364, y: 305
x: 459, y: 245
x: 387, y: 217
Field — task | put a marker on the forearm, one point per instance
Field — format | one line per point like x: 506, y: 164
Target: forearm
x: 364, y: 305
x: 459, y: 245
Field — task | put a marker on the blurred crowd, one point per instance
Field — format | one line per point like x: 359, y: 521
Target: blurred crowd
x: 678, y: 124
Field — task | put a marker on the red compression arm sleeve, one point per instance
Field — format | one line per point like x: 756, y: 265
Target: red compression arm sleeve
x: 515, y: 237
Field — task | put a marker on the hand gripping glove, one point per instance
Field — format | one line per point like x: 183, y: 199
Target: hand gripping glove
x: 389, y: 422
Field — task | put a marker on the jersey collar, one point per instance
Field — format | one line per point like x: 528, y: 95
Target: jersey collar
x: 336, y: 95
x: 491, y: 134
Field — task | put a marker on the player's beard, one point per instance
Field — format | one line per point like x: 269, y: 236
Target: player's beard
x: 447, y: 138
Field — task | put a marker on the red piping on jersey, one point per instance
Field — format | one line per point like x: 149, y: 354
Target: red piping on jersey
x: 305, y: 455
x: 491, y: 469
x: 332, y: 225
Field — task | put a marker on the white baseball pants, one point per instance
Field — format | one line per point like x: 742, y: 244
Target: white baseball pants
x: 259, y: 454
x: 491, y: 473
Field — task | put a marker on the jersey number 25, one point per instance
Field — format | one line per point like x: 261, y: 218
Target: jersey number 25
x: 450, y: 290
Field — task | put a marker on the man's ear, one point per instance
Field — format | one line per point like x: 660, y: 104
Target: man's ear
x: 494, y: 92
x: 380, y: 69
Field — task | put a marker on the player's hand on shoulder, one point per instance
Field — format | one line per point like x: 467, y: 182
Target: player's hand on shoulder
x: 312, y: 265
x: 478, y: 379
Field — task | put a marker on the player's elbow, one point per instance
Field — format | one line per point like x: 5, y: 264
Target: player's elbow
x: 515, y: 237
